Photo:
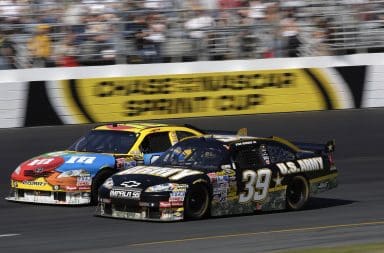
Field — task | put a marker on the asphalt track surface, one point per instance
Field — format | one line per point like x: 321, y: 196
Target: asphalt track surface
x: 351, y: 213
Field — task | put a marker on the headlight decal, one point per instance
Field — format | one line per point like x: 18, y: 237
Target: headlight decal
x: 108, y: 183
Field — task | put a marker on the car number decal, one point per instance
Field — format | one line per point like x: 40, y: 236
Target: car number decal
x: 257, y: 184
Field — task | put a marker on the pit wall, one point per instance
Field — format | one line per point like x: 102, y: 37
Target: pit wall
x: 116, y: 93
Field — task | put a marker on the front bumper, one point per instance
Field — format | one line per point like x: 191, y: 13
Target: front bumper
x: 49, y: 197
x: 153, y: 207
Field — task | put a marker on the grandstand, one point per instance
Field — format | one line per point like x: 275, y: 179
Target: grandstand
x: 46, y: 33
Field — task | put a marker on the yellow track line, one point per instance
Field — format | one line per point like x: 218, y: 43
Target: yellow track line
x: 259, y: 233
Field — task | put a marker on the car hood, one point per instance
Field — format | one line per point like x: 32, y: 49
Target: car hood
x: 61, y: 161
x: 152, y: 175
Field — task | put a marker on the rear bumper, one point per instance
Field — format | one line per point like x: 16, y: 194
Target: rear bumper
x: 49, y: 197
x: 324, y: 183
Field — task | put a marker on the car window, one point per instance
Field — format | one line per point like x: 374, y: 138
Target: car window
x: 280, y: 153
x: 155, y: 142
x: 195, y: 153
x: 251, y: 156
x: 183, y: 134
x: 104, y: 141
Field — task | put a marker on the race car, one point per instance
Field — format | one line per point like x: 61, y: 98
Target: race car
x: 220, y: 175
x: 73, y: 176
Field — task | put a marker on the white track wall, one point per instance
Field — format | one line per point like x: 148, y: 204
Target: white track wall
x: 336, y: 77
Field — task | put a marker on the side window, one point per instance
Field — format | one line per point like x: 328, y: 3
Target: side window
x: 280, y: 153
x: 182, y: 134
x: 156, y: 142
x: 251, y: 156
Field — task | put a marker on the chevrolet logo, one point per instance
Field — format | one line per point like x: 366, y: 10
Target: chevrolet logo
x: 130, y: 184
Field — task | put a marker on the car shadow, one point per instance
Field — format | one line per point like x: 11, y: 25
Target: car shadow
x: 319, y: 203
x: 314, y: 203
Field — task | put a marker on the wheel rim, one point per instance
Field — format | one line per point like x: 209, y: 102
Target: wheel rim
x: 296, y: 192
x: 197, y: 202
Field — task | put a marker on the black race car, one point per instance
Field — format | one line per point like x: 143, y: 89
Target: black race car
x: 220, y: 175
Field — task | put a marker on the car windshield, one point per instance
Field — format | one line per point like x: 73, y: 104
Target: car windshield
x: 104, y: 141
x: 195, y: 153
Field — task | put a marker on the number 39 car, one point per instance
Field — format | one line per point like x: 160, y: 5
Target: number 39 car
x: 73, y: 176
x: 220, y: 175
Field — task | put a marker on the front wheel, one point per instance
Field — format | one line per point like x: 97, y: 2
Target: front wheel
x: 297, y: 193
x: 196, y: 202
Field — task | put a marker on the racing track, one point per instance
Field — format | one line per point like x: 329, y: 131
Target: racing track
x: 352, y: 213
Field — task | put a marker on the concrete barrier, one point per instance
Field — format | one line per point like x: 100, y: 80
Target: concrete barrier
x: 52, y: 96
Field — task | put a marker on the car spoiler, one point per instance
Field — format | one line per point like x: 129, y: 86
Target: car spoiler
x: 328, y: 147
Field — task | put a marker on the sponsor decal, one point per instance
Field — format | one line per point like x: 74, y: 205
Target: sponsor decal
x: 34, y: 183
x: 123, y: 163
x: 84, y: 188
x: 245, y: 143
x: 164, y: 204
x: 70, y: 188
x: 303, y: 165
x: 171, y: 173
x: 176, y: 196
x: 180, y: 188
x: 177, y: 204
x: 41, y: 161
x: 83, y: 181
x: 81, y: 159
x: 130, y: 184
x: 198, y: 94
x: 125, y: 194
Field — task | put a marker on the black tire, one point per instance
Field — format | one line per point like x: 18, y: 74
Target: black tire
x: 97, y: 181
x: 196, y: 202
x: 297, y: 194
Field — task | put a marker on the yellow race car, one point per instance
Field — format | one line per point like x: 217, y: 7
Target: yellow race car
x: 73, y: 176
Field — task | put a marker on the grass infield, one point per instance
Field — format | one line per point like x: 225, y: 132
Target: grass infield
x: 358, y: 248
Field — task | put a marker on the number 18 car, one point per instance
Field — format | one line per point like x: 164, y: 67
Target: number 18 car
x: 220, y: 175
x: 73, y: 176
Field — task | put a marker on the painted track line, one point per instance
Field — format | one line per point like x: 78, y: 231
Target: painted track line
x: 8, y: 235
x: 303, y: 229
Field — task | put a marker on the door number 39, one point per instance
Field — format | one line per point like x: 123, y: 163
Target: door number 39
x: 257, y: 184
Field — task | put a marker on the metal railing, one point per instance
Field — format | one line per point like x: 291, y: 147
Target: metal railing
x: 94, y: 32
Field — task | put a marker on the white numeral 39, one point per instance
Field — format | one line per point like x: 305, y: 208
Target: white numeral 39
x: 257, y: 183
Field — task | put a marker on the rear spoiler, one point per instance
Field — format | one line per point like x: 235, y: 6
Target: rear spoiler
x: 328, y: 147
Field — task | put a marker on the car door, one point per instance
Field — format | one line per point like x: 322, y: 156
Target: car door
x: 253, y: 172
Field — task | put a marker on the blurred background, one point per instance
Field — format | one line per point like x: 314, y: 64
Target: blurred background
x: 50, y: 33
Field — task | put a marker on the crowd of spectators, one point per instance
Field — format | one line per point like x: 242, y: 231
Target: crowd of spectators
x: 46, y: 33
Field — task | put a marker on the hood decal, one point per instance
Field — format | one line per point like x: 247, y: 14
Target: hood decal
x: 171, y: 173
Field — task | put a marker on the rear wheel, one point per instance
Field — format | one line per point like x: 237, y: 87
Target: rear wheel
x: 297, y: 193
x: 97, y: 181
x: 196, y: 202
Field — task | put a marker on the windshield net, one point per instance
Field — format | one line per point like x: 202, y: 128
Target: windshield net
x: 194, y: 153
x: 117, y: 142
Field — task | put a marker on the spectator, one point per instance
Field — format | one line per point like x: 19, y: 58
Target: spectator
x: 290, y: 34
x: 156, y: 34
x: 196, y: 25
x: 145, y: 48
x: 66, y: 52
x: 40, y: 46
x: 7, y: 51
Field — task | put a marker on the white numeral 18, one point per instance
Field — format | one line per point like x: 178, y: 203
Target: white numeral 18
x: 257, y: 184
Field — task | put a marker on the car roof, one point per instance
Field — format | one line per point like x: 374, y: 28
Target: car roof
x: 240, y: 139
x: 130, y: 127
